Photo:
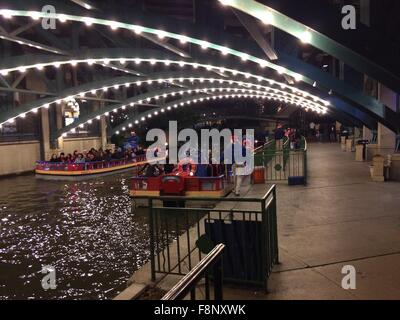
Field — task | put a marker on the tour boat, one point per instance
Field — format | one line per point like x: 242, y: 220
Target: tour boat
x: 180, y: 183
x: 77, y: 171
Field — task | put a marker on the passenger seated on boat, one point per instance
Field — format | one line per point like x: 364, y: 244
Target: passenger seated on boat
x: 108, y: 155
x: 151, y: 170
x: 168, y: 167
x: 90, y: 157
x: 135, y: 153
x: 69, y: 158
x: 80, y: 159
x: 61, y: 158
x: 140, y: 152
x: 129, y: 155
x: 53, y: 158
x: 118, y: 154
x: 99, y: 155
x: 202, y: 170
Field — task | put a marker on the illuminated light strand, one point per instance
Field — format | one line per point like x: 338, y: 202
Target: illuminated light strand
x: 158, y: 32
x: 245, y: 92
x: 167, y: 62
x: 149, y: 114
x: 191, y: 79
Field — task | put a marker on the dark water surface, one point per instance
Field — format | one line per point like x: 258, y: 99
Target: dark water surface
x: 85, y: 230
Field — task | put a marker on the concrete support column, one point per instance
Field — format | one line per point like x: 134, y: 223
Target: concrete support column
x: 34, y: 82
x: 357, y: 133
x: 103, y: 132
x: 45, y: 143
x: 59, y: 124
x: 337, y: 126
x: 386, y: 137
x: 367, y: 133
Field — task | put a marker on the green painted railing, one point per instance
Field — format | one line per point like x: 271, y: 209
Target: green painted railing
x: 282, y: 164
x: 264, y: 154
x: 181, y: 236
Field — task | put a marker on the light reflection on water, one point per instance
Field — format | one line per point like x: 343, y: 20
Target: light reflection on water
x: 85, y: 229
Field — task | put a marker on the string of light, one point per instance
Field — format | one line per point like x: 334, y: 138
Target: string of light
x: 161, y: 34
x: 145, y: 116
x: 272, y: 95
x: 311, y: 100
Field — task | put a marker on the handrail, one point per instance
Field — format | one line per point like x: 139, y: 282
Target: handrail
x: 286, y: 141
x: 263, y: 146
x: 93, y: 162
x: 173, y: 245
x: 189, y: 177
x: 189, y: 281
x: 305, y: 144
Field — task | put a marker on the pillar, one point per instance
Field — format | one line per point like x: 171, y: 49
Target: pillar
x: 45, y: 137
x: 59, y: 125
x: 103, y: 132
x: 34, y: 81
x: 337, y: 126
x: 386, y: 137
x: 367, y: 134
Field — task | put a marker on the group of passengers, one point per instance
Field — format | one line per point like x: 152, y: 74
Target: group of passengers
x: 198, y: 170
x: 99, y: 155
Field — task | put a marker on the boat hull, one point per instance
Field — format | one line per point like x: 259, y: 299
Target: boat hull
x: 84, y: 174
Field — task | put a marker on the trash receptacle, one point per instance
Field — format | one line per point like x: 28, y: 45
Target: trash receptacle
x: 259, y: 175
x: 361, y: 150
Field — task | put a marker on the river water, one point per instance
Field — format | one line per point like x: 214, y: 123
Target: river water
x: 86, y: 230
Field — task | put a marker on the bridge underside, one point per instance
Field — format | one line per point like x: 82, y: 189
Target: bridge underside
x: 124, y: 69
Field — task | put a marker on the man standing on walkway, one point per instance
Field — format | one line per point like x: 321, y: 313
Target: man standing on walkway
x: 279, y: 135
x: 237, y: 166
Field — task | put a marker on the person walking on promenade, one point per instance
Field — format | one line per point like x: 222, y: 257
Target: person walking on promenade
x: 279, y: 135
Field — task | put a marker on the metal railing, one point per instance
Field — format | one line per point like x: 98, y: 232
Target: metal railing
x: 250, y: 236
x: 285, y: 163
x: 212, y: 263
x: 92, y: 165
x: 305, y: 163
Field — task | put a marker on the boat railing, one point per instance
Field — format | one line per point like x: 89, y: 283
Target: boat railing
x: 93, y: 165
x: 192, y: 183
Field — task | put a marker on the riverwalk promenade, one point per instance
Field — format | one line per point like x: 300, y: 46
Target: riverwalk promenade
x: 340, y: 218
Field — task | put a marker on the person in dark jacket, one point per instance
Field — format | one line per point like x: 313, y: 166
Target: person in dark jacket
x: 150, y: 170
x: 279, y: 135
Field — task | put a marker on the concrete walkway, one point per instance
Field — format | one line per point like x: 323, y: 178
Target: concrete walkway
x: 340, y: 218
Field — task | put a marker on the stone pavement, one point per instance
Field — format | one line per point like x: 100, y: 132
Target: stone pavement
x: 340, y: 218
